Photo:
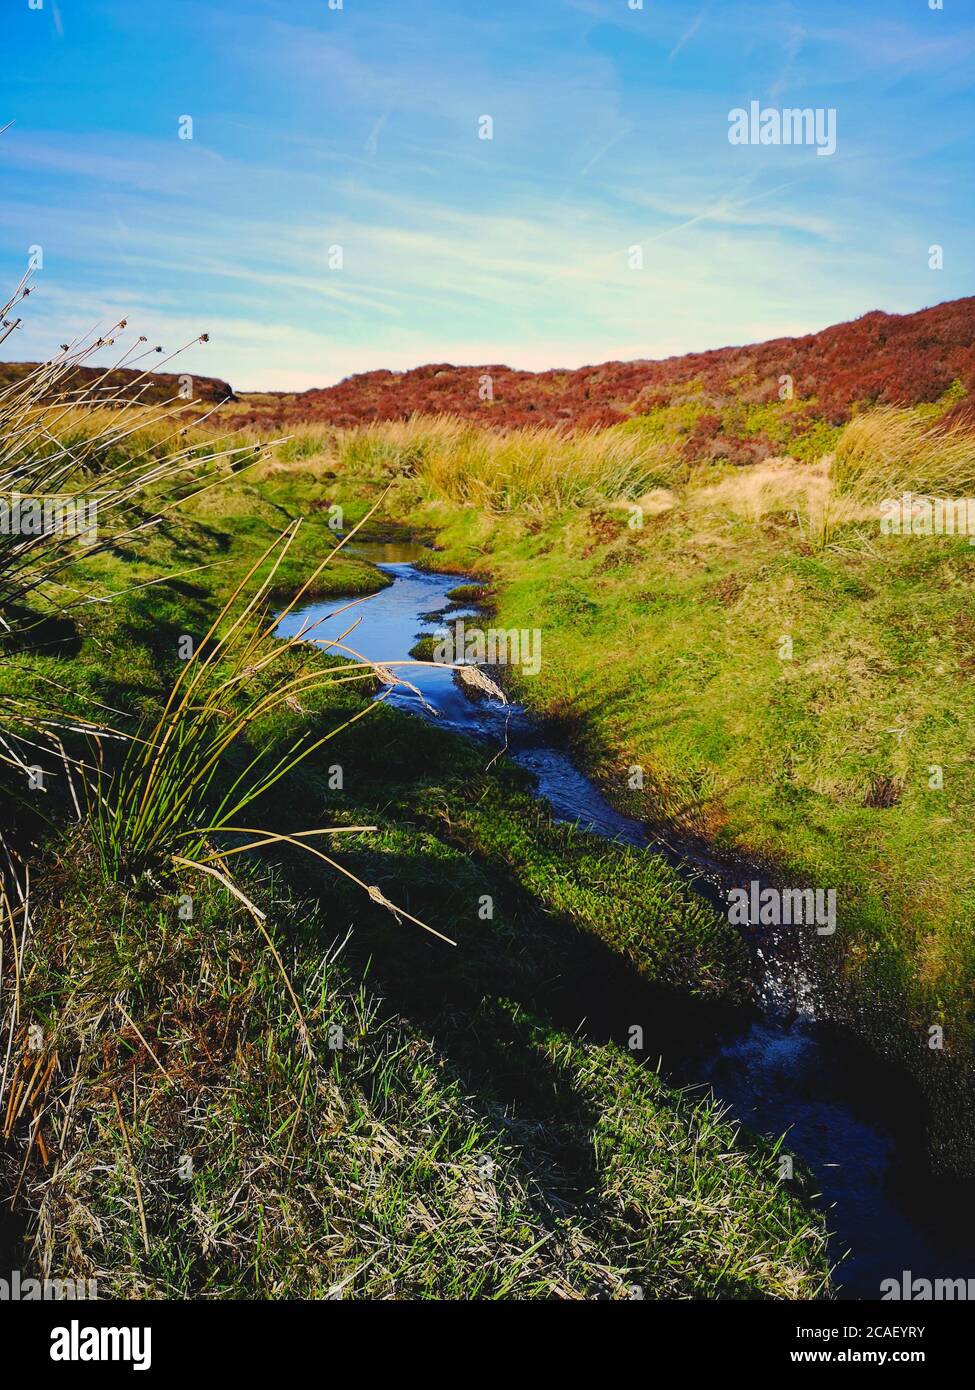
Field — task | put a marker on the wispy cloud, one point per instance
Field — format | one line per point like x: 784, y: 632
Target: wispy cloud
x: 688, y: 34
x: 358, y: 128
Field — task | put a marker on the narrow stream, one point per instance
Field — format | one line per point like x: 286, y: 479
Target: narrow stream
x: 779, y: 1070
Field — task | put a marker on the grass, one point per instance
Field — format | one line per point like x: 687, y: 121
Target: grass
x: 887, y: 451
x: 339, y: 1106
x: 202, y: 1153
x: 81, y: 470
x: 164, y: 802
x: 846, y: 764
x: 498, y: 470
x: 467, y: 593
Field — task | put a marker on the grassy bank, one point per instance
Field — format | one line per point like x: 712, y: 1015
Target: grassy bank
x: 308, y: 1095
x: 197, y: 1149
x: 794, y: 685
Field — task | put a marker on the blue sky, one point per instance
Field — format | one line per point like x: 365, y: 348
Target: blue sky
x: 358, y: 127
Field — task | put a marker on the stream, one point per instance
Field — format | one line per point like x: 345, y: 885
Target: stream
x: 778, y: 1068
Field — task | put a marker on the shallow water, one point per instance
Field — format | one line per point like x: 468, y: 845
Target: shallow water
x: 847, y: 1116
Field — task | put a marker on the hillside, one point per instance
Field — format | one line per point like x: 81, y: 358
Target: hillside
x: 153, y: 388
x: 903, y: 359
x: 716, y: 399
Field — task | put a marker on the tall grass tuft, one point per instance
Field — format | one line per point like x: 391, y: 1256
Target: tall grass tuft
x: 888, y: 451
x: 83, y: 468
x: 172, y: 803
x: 507, y: 470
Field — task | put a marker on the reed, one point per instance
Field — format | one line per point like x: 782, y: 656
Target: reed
x: 97, y: 454
x: 171, y: 802
x: 83, y: 469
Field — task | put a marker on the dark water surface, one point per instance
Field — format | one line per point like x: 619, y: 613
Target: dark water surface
x: 853, y: 1121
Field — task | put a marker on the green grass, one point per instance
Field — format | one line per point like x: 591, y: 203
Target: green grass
x: 384, y: 1167
x: 464, y: 1141
x: 662, y: 648
x: 466, y: 593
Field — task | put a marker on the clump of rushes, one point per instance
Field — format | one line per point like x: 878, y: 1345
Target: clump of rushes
x: 75, y: 444
x: 171, y: 803
x: 77, y: 476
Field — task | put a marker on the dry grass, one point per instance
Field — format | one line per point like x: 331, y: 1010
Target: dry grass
x: 806, y: 494
x: 887, y: 451
x: 507, y: 470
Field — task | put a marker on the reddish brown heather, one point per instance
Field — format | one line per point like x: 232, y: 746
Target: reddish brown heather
x: 152, y: 390
x: 902, y: 359
x: 893, y: 359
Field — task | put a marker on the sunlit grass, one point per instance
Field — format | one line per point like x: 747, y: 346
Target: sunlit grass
x: 501, y: 470
x: 885, y: 452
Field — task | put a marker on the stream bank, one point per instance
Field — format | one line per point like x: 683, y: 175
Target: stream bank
x: 853, y: 1120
